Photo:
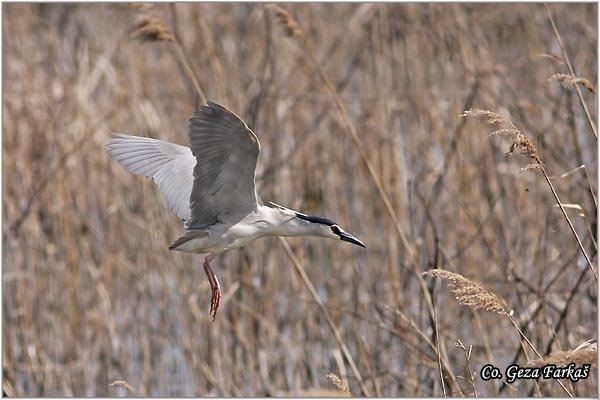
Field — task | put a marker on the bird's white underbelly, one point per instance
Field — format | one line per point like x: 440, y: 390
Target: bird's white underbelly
x: 220, y: 240
x: 239, y: 236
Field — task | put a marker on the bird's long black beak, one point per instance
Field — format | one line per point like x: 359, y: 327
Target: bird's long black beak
x: 346, y: 237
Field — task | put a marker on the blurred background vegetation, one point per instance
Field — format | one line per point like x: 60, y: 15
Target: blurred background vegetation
x: 91, y: 294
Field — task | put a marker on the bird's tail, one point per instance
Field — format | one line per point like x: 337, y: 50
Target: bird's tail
x: 183, y: 243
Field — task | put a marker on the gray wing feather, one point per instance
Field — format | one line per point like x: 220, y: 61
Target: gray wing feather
x: 169, y: 165
x: 226, y: 151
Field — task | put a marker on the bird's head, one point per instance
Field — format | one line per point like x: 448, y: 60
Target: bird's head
x: 303, y: 224
x: 327, y: 228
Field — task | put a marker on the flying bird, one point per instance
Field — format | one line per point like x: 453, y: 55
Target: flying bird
x: 211, y: 188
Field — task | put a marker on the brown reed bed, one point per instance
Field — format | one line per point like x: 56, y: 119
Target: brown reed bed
x: 356, y: 108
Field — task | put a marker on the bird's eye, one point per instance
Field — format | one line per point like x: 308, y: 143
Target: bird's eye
x: 335, y: 229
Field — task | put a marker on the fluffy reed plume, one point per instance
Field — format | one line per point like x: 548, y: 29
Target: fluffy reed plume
x: 287, y: 22
x: 7, y: 388
x: 572, y: 71
x: 337, y: 381
x: 586, y: 353
x: 469, y: 293
x: 570, y: 81
x: 151, y: 29
x: 504, y: 127
x: 123, y: 384
x: 520, y: 141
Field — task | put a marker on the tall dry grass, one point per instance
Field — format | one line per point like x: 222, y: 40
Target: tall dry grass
x: 357, y: 108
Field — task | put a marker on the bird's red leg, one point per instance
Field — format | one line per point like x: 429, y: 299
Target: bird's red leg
x: 215, y: 300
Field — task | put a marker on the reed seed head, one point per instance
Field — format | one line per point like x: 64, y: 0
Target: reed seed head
x: 570, y: 81
x: 338, y: 382
x: 287, y: 22
x: 504, y: 127
x: 123, y: 384
x: 469, y: 293
x: 151, y: 28
x: 586, y: 353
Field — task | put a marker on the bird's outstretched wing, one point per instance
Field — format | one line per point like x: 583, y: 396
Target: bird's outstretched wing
x: 169, y: 165
x: 226, y: 151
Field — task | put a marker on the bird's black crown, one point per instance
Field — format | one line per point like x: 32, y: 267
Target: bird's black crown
x: 316, y: 220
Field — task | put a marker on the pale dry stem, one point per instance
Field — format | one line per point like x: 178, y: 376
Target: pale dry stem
x: 471, y: 294
x: 468, y: 361
x: 292, y: 29
x: 522, y: 142
x: 152, y: 28
x: 572, y: 71
x: 338, y: 337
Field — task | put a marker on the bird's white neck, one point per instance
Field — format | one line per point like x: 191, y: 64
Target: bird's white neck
x: 283, y: 222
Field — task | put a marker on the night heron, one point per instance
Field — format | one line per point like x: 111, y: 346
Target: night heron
x: 211, y: 188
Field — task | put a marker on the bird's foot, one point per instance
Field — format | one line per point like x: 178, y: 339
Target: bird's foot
x: 215, y: 299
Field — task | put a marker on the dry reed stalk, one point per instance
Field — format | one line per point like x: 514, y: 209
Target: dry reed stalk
x: 471, y: 294
x: 587, y: 177
x: 287, y: 21
x: 152, y: 28
x: 439, y: 352
x: 433, y: 346
x: 292, y: 29
x: 51, y: 173
x: 468, y: 361
x: 569, y: 81
x: 334, y: 329
x: 568, y: 61
x: 585, y: 219
x: 389, y: 75
x: 563, y: 315
x: 289, y: 26
x: 505, y: 127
